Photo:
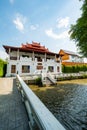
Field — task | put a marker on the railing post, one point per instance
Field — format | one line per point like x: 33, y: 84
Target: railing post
x: 32, y: 123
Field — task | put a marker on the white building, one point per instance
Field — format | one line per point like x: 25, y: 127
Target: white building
x: 30, y: 58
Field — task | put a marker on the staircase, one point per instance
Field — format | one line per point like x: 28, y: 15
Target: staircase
x: 48, y: 79
x: 51, y: 78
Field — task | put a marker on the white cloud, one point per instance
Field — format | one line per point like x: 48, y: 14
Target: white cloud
x: 11, y: 1
x: 3, y: 55
x: 63, y: 22
x: 34, y: 27
x: 55, y: 36
x: 19, y: 22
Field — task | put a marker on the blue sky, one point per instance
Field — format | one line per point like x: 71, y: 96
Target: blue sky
x: 44, y: 21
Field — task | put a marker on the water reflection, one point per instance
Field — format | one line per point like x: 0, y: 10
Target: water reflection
x: 68, y: 102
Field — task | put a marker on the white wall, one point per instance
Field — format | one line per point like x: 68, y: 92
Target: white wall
x: 32, y: 64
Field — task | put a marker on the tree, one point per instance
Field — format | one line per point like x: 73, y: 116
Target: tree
x: 78, y: 32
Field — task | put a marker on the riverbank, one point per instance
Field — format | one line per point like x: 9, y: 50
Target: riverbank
x: 74, y: 81
x: 67, y: 101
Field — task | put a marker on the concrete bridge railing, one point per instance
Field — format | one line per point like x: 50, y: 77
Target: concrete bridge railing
x: 39, y: 116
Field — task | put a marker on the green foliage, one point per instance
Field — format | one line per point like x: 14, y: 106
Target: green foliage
x: 39, y: 82
x: 84, y: 76
x: 78, y: 32
x: 3, y: 66
x: 73, y: 69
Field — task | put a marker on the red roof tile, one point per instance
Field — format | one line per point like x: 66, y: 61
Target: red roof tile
x: 36, y: 47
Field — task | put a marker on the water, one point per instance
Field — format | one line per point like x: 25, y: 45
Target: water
x: 68, y: 103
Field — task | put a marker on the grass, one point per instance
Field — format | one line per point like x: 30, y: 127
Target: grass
x: 75, y: 81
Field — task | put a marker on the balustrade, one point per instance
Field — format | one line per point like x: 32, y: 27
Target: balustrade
x: 39, y: 116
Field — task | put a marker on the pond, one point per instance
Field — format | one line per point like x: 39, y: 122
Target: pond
x: 67, y: 101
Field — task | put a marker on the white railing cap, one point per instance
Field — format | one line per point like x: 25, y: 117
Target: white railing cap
x: 45, y: 117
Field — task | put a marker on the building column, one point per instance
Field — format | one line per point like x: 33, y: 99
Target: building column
x: 18, y: 54
x: 8, y: 65
x: 60, y: 64
x: 33, y: 56
x: 55, y: 57
x: 9, y: 53
x: 45, y: 56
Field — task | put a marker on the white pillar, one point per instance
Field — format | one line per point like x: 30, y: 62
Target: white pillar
x: 18, y: 54
x: 60, y: 64
x: 33, y: 56
x: 8, y: 72
x: 9, y: 53
x: 45, y: 56
x: 55, y: 57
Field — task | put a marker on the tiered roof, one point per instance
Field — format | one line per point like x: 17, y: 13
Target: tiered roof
x: 34, y: 47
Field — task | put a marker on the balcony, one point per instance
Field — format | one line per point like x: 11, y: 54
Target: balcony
x: 25, y: 59
x: 13, y: 58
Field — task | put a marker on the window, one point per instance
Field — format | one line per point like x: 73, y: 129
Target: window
x: 25, y: 56
x: 39, y: 67
x: 39, y: 59
x: 25, y: 69
x: 51, y: 68
x: 13, y: 68
x: 58, y: 68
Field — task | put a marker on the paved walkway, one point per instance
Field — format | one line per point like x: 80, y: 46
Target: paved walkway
x: 13, y: 114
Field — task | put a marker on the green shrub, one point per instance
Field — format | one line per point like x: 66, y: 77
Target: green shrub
x: 3, y: 66
x: 39, y: 82
x: 74, y: 69
x: 84, y: 75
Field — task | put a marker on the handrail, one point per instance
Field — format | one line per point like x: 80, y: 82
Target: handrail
x: 37, y: 111
x: 49, y: 75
